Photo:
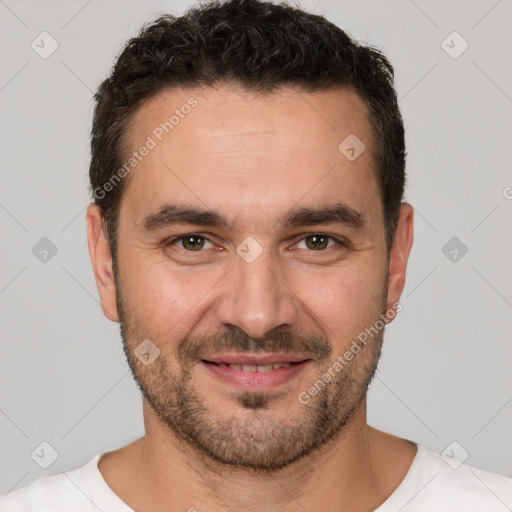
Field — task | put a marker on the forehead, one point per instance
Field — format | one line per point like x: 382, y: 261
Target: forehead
x: 213, y: 145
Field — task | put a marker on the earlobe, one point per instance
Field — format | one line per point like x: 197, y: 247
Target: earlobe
x: 399, y: 255
x: 101, y: 259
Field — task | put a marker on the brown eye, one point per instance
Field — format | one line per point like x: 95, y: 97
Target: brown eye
x: 317, y: 241
x: 191, y: 242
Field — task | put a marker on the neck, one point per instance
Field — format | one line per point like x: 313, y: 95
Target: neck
x: 345, y: 474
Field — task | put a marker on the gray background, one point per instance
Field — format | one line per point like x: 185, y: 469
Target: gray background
x: 445, y: 371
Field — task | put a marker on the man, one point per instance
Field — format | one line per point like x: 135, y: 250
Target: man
x: 248, y: 233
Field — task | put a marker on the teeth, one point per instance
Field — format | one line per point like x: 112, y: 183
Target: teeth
x: 280, y: 365
x: 256, y: 368
x: 266, y: 368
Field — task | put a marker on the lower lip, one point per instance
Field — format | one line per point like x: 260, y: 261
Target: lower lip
x: 255, y: 380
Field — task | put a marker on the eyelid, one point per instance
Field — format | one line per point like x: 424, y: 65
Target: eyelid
x: 339, y: 240
x: 172, y: 240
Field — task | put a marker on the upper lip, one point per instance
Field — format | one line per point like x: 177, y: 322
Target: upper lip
x: 256, y: 359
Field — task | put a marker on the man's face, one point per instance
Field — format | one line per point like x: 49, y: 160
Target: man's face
x: 289, y: 297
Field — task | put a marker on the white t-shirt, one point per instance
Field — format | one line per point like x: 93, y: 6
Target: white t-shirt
x: 430, y: 485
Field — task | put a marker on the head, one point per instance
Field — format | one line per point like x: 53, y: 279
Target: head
x: 247, y: 170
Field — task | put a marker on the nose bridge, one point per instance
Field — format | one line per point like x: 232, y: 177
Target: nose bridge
x: 256, y: 299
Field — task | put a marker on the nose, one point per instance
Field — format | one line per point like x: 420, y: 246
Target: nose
x: 256, y: 297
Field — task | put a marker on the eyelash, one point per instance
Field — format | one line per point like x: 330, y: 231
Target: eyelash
x: 339, y: 242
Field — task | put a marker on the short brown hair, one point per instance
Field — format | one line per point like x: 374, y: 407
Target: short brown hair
x: 261, y: 46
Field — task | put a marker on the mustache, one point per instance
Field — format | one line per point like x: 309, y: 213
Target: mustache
x: 236, y: 340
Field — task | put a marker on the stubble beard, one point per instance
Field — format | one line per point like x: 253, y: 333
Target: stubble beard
x: 251, y: 436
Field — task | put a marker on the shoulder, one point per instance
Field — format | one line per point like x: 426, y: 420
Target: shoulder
x: 54, y: 493
x: 440, y: 483
x: 456, y: 475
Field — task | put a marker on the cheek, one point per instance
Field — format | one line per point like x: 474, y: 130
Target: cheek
x: 165, y: 300
x: 171, y: 302
x: 345, y: 302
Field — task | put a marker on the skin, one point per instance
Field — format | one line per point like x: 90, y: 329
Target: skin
x: 267, y: 154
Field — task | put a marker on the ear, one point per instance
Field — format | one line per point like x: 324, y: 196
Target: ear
x: 101, y: 259
x: 399, y: 255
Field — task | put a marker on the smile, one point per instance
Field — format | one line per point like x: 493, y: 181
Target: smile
x: 256, y: 368
x: 247, y: 375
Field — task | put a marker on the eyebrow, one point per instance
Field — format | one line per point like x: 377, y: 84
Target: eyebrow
x: 336, y: 214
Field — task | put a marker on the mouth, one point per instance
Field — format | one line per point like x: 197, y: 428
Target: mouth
x: 255, y: 372
x: 253, y: 367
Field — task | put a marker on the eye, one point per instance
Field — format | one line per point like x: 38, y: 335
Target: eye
x: 191, y: 242
x: 319, y: 242
x: 194, y: 242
